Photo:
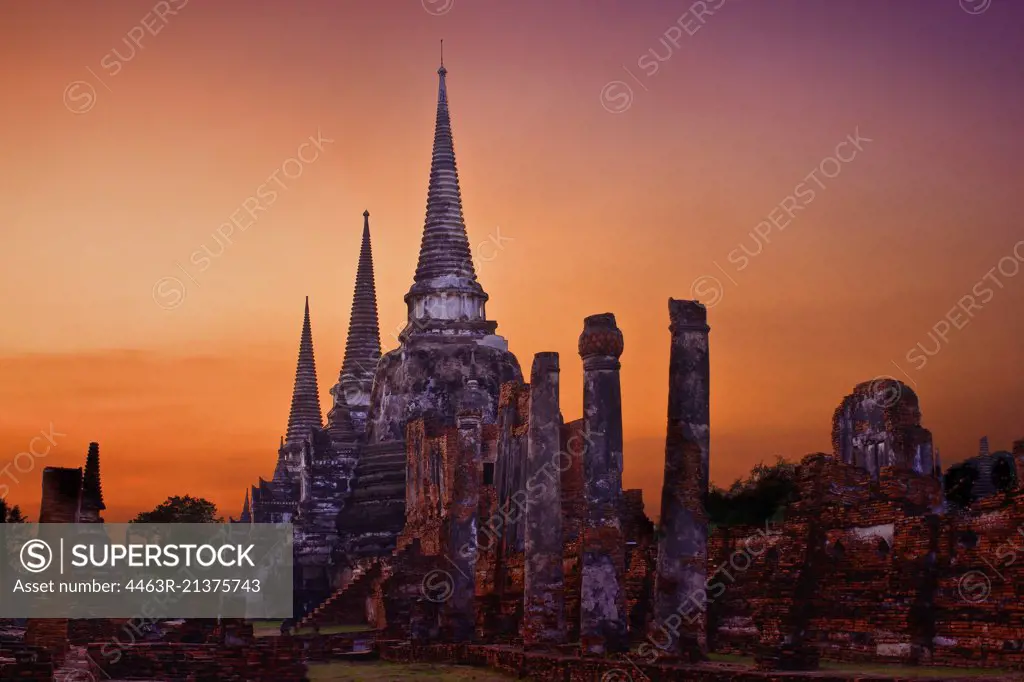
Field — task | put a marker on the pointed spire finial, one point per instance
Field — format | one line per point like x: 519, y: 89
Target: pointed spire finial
x: 445, y: 265
x: 362, y: 347
x: 305, y: 411
x: 442, y: 53
x: 92, y: 488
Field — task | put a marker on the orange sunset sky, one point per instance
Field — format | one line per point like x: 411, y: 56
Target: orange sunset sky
x: 597, y: 176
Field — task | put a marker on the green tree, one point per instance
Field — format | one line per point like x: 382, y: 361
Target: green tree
x: 754, y: 500
x: 178, y: 509
x: 11, y: 514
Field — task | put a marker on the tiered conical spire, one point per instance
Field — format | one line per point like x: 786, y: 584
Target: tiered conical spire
x: 92, y: 489
x: 362, y: 348
x: 445, y: 261
x: 305, y: 413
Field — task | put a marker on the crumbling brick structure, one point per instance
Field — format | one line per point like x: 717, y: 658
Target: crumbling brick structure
x: 879, y: 425
x: 867, y: 563
x: 442, y: 435
x: 25, y: 663
x: 539, y: 492
x: 871, y: 566
x: 68, y: 496
x: 73, y: 495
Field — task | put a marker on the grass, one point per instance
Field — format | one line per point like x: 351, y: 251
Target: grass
x: 880, y: 669
x: 336, y: 629
x: 272, y: 628
x: 266, y: 628
x: 382, y: 671
x: 912, y: 671
x: 396, y: 672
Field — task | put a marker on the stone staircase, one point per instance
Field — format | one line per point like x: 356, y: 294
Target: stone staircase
x: 406, y: 567
x: 75, y: 668
x: 373, y: 517
x: 347, y: 606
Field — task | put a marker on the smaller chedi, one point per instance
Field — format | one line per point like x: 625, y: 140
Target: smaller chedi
x: 985, y: 474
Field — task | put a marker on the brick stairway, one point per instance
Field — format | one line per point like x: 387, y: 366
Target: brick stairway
x: 347, y: 606
x: 75, y: 667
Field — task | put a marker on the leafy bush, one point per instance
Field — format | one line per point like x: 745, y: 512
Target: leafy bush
x: 762, y: 495
x: 959, y: 484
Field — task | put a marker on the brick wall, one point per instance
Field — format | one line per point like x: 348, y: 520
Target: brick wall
x: 871, y: 571
x: 274, y: 659
x: 25, y: 663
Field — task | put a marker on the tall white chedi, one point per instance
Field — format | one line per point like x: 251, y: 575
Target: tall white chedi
x: 447, y: 334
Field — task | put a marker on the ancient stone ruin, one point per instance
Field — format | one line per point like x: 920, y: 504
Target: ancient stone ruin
x: 449, y: 509
x: 478, y: 513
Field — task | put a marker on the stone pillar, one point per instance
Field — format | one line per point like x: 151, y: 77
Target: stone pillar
x: 1018, y: 460
x: 680, y: 598
x: 602, y: 598
x: 543, y: 590
x: 459, y: 614
x: 506, y: 530
x: 574, y: 514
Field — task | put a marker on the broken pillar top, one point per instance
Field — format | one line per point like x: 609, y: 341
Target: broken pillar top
x: 600, y: 336
x: 687, y: 316
x: 66, y: 481
x: 544, y: 362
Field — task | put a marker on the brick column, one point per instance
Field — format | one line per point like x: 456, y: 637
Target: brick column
x: 459, y: 616
x: 543, y: 594
x: 680, y: 598
x: 1018, y: 461
x: 602, y: 598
